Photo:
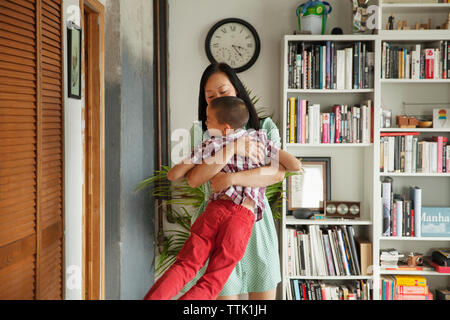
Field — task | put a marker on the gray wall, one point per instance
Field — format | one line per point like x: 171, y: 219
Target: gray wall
x: 130, y: 147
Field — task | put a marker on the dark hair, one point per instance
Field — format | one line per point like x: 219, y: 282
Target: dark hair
x: 253, y: 121
x: 230, y: 110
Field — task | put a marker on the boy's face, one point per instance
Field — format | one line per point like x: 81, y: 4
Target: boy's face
x: 214, y: 127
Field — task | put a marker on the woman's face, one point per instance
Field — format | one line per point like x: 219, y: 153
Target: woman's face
x: 218, y: 85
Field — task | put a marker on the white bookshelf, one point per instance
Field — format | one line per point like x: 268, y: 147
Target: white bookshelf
x: 361, y: 168
x: 362, y: 183
x: 393, y: 93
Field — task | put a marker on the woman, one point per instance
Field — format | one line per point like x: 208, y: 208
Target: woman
x: 258, y: 273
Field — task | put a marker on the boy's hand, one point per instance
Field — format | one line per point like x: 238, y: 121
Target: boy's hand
x: 221, y: 182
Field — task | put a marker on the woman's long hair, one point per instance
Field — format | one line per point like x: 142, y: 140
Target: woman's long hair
x: 253, y: 121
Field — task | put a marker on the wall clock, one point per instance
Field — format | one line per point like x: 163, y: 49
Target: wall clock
x: 233, y: 41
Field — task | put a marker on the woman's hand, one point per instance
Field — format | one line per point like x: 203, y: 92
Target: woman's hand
x: 221, y: 182
x: 250, y: 148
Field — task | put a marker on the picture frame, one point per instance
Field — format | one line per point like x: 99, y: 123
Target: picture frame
x: 74, y: 56
x: 317, y: 176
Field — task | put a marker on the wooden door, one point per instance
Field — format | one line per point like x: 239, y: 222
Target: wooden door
x: 31, y: 149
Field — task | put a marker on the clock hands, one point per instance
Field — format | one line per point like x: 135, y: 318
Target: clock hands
x: 234, y: 47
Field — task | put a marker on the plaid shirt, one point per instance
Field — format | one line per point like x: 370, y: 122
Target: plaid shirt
x: 238, y: 194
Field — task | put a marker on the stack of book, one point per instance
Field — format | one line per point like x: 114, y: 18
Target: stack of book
x: 415, y: 62
x: 345, y: 124
x: 319, y: 290
x: 328, y: 251
x: 390, y: 258
x: 324, y: 66
x: 404, y: 153
x: 404, y: 288
x: 401, y: 213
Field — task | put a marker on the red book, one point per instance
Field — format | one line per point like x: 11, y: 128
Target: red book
x: 326, y: 128
x: 412, y: 223
x: 439, y: 268
x: 440, y: 151
x: 394, y: 134
x: 337, y: 123
x: 429, y: 66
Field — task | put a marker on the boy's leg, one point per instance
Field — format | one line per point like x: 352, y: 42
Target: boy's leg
x: 191, y: 257
x: 231, y: 242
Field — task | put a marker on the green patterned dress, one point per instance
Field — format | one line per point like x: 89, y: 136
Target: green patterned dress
x: 259, y: 269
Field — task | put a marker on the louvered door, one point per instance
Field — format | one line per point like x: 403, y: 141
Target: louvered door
x: 31, y: 149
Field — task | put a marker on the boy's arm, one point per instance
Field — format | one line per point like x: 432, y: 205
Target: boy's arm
x: 210, y: 167
x: 180, y: 170
x: 288, y: 161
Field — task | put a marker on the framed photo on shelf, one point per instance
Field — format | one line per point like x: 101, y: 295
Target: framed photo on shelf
x: 313, y: 187
x: 74, y: 61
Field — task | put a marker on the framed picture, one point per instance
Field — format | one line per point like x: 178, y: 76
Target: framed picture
x: 74, y: 61
x: 310, y: 189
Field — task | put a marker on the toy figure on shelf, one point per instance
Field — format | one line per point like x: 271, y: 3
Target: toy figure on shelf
x: 391, y: 23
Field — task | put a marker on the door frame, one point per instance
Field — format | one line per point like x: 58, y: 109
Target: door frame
x: 93, y: 215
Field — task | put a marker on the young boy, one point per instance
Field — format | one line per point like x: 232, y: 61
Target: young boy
x: 222, y: 231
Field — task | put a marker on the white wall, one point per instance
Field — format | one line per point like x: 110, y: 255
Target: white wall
x: 74, y: 126
x: 74, y: 172
x: 189, y: 23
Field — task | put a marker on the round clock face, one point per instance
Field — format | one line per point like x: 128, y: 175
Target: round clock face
x: 354, y: 209
x: 342, y: 209
x: 331, y: 208
x: 233, y: 41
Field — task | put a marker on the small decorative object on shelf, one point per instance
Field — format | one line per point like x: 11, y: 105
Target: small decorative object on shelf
x: 390, y: 25
x: 441, y: 118
x: 312, y: 16
x: 407, y: 122
x: 386, y: 118
x: 415, y: 259
x: 343, y: 209
x: 360, y: 16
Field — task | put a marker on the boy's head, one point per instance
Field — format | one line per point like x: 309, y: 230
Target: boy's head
x: 226, y: 113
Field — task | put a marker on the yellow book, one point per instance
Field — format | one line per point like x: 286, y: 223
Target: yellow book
x: 293, y: 122
x: 411, y: 281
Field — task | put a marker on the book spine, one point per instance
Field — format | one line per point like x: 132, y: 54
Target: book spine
x: 417, y: 198
x: 288, y: 121
x: 439, y: 151
x: 430, y: 55
x: 408, y: 217
x: 292, y: 117
x: 448, y: 158
x: 298, y: 109
x: 326, y: 128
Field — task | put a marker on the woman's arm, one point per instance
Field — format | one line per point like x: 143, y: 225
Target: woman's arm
x: 205, y: 171
x: 254, y: 178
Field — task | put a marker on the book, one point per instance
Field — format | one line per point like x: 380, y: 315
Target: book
x: 435, y: 222
x: 416, y: 196
x: 387, y: 187
x: 365, y: 253
x: 410, y: 280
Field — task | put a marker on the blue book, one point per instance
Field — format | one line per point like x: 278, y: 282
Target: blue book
x: 296, y: 290
x: 435, y: 222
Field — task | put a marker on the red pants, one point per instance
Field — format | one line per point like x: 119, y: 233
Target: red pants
x: 222, y: 231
